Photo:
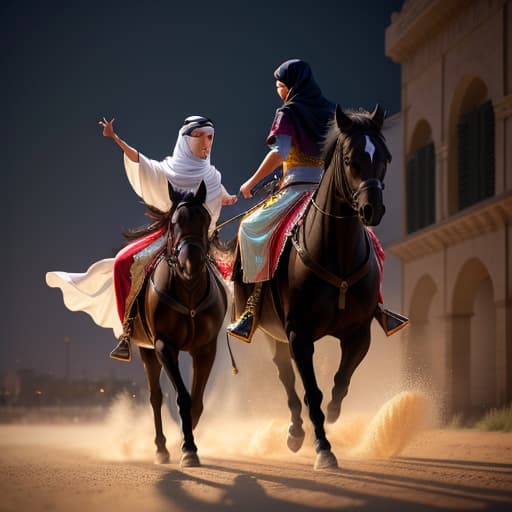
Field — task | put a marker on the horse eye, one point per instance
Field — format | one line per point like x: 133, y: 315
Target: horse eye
x: 346, y: 160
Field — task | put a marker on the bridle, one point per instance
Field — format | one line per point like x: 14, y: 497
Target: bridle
x: 343, y: 187
x: 172, y: 254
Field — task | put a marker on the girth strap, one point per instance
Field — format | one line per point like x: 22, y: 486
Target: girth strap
x: 210, y: 298
x: 342, y: 283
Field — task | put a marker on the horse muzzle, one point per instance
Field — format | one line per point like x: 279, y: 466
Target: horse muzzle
x: 370, y: 206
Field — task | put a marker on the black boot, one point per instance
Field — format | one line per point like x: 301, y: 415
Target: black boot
x: 123, y: 351
x: 244, y: 327
x: 390, y: 321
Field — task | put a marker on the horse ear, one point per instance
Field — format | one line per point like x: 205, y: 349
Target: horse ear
x: 378, y: 116
x: 342, y: 120
x: 172, y: 194
x: 200, y: 194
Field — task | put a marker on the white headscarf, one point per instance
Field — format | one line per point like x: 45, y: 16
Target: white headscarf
x: 185, y: 170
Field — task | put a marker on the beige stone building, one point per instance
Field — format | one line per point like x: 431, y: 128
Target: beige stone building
x: 456, y: 242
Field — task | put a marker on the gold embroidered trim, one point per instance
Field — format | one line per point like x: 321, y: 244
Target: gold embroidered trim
x: 296, y: 158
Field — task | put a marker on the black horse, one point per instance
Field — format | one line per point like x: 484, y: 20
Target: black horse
x: 183, y: 304
x: 328, y: 279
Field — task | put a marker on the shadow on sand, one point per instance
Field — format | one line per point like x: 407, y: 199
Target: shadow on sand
x: 241, y: 486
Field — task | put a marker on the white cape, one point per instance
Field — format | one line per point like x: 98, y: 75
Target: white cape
x: 91, y: 292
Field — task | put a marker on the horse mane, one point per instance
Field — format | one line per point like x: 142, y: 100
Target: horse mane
x: 362, y: 122
x: 159, y: 218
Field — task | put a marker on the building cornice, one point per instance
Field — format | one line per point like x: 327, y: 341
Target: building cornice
x: 417, y: 22
x: 477, y: 220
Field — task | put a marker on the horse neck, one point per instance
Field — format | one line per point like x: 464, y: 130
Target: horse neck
x: 189, y: 293
x: 338, y: 243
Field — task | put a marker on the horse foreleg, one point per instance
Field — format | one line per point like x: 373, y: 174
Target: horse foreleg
x: 353, y: 352
x: 202, y: 363
x: 168, y: 357
x: 152, y: 368
x: 302, y: 353
x: 286, y: 374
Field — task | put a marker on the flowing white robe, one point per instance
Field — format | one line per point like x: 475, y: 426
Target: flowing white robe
x: 93, y: 291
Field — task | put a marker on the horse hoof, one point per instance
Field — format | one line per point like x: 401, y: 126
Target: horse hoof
x: 325, y: 459
x: 295, y: 439
x: 162, y: 457
x: 189, y: 460
x: 333, y: 413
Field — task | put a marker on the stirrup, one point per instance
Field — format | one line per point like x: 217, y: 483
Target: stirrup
x: 390, y: 321
x: 244, y: 327
x: 123, y: 351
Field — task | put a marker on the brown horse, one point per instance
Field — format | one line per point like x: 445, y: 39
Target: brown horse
x: 327, y: 282
x: 183, y: 306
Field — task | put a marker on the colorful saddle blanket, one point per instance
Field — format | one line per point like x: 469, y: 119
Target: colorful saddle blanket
x: 263, y: 233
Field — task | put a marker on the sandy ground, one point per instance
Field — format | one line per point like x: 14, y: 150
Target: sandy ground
x: 72, y: 468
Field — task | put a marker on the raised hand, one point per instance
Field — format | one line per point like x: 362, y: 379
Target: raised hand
x: 108, y: 127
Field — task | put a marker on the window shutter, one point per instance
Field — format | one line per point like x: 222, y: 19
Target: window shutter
x: 430, y: 188
x: 411, y: 193
x: 487, y: 162
x: 463, y: 165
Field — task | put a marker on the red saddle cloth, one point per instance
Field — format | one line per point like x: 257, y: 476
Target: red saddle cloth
x: 122, y: 265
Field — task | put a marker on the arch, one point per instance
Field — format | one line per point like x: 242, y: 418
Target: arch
x: 470, y: 95
x: 471, y: 274
x: 473, y: 340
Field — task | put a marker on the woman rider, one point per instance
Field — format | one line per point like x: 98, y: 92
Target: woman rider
x: 103, y: 290
x: 296, y: 141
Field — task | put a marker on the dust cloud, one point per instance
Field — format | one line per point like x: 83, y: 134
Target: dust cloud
x: 247, y: 414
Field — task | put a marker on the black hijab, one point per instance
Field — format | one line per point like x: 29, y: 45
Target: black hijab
x: 309, y: 110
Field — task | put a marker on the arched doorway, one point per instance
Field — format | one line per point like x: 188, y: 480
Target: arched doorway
x: 473, y: 341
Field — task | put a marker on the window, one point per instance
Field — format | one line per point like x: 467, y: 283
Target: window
x: 475, y: 133
x: 421, y: 188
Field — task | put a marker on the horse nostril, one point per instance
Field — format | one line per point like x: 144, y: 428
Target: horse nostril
x: 367, y: 212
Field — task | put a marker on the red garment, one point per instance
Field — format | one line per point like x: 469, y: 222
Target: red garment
x: 381, y: 256
x: 122, y: 265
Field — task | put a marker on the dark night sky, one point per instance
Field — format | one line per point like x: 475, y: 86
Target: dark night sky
x: 149, y: 64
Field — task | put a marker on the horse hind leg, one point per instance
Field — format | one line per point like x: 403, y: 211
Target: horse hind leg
x: 168, y: 357
x: 153, y: 368
x: 353, y: 352
x: 282, y: 359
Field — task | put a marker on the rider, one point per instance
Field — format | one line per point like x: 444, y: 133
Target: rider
x: 296, y: 139
x: 110, y: 281
x: 296, y: 142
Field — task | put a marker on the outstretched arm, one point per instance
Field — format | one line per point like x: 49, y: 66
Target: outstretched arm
x: 108, y: 131
x: 270, y: 163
